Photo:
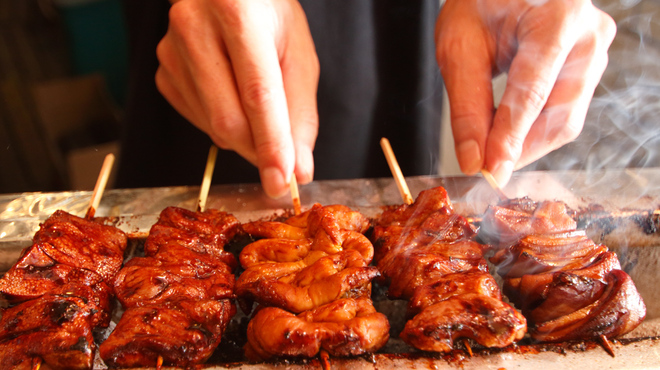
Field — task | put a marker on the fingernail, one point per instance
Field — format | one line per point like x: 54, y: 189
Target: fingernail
x: 306, y: 168
x: 273, y: 182
x: 469, y: 156
x: 502, y: 172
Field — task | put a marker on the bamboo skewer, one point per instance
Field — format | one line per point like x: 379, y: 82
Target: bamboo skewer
x: 99, y: 188
x: 325, y: 360
x: 493, y: 184
x: 36, y: 363
x: 467, y: 346
x: 607, y: 345
x: 208, y: 176
x: 159, y: 362
x: 396, y: 171
x: 295, y: 195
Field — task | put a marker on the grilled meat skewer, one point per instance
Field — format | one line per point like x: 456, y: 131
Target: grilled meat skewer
x: 178, y: 299
x: 427, y: 255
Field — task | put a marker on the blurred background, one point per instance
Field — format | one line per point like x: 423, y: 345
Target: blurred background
x: 63, y: 66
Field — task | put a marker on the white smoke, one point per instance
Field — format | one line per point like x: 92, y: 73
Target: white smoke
x: 621, y: 129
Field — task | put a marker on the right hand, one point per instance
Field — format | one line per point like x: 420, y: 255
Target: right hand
x: 246, y: 73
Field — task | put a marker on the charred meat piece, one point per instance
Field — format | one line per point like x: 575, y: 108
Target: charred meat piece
x: 66, y: 248
x: 146, y: 280
x: 428, y: 255
x: 486, y: 320
x: 183, y: 333
x: 60, y: 294
x: 450, y: 285
x: 566, y: 285
x: 177, y: 298
x: 56, y: 328
x: 82, y: 243
x: 506, y: 223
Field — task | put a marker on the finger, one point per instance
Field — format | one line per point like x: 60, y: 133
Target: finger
x: 563, y: 117
x: 300, y: 73
x: 256, y: 66
x: 210, y: 71
x: 467, y: 72
x: 533, y: 72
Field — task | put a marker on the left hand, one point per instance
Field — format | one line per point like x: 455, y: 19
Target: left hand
x: 555, y: 52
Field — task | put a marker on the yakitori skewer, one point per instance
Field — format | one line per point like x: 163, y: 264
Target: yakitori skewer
x: 405, y: 193
x: 35, y: 296
x: 185, y: 248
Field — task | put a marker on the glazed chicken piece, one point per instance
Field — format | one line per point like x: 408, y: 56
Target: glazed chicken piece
x: 343, y: 327
x: 183, y: 333
x: 60, y: 294
x: 55, y: 328
x: 506, y: 223
x: 147, y: 280
x: 65, y: 248
x: 427, y: 255
x: 177, y: 299
x: 454, y: 284
x: 322, y: 257
x: 567, y: 286
x: 486, y: 320
x: 335, y: 276
x: 315, y: 265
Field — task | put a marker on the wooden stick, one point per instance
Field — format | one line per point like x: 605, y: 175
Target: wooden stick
x: 493, y: 184
x: 607, y: 345
x: 468, y: 348
x: 325, y: 360
x: 295, y: 195
x: 101, y: 182
x: 159, y: 362
x: 396, y: 171
x: 36, y: 363
x: 208, y: 176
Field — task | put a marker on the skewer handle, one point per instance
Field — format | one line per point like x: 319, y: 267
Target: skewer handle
x: 101, y: 182
x: 295, y: 195
x: 396, y: 171
x: 206, y: 181
x: 493, y: 184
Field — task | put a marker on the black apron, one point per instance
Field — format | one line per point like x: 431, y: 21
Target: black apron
x: 379, y: 78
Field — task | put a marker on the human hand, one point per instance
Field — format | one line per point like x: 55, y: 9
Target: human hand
x: 246, y: 73
x: 555, y: 52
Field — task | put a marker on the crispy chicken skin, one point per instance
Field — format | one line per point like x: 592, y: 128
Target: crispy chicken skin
x: 428, y: 256
x: 311, y: 278
x: 178, y: 298
x: 566, y: 285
